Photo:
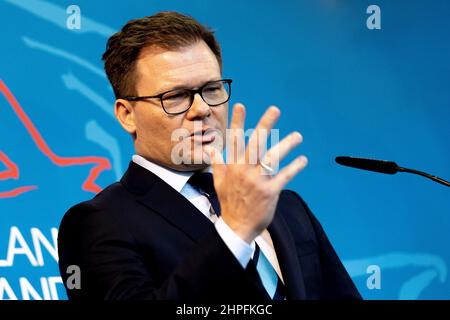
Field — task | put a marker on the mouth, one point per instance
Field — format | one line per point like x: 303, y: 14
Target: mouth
x: 204, y: 136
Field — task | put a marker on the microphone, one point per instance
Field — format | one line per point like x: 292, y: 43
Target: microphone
x: 383, y: 166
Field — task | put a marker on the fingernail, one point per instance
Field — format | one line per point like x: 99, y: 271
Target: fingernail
x: 239, y: 107
x: 275, y: 109
x: 297, y: 136
x: 303, y: 160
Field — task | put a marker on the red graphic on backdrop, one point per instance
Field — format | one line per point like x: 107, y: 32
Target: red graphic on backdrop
x: 12, y: 170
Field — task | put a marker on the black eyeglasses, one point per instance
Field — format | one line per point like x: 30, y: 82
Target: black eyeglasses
x: 177, y: 101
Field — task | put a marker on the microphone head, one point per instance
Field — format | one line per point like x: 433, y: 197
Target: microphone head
x: 381, y: 166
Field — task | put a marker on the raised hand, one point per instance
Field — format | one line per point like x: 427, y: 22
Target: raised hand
x: 248, y: 195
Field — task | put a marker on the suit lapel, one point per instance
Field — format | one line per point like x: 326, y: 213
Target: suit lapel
x: 161, y: 198
x: 287, y: 257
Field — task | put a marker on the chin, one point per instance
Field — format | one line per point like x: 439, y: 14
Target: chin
x: 194, y: 162
x: 192, y: 167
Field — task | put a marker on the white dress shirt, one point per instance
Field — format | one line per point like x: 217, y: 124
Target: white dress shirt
x: 240, y: 249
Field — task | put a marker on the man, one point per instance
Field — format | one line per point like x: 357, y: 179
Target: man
x: 171, y: 230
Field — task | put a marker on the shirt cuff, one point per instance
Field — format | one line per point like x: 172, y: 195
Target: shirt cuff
x: 240, y: 249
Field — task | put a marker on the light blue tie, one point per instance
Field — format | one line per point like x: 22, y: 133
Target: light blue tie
x: 269, y: 277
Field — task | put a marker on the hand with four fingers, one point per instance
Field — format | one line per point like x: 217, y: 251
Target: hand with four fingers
x: 247, y: 186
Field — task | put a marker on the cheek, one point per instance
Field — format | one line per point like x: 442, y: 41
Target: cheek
x: 144, y: 125
x: 222, y: 117
x: 152, y: 127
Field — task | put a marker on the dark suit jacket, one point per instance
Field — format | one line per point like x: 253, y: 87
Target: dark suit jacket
x: 141, y: 239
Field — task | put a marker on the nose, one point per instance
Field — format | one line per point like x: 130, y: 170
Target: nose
x: 199, y: 108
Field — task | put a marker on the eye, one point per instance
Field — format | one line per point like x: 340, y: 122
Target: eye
x: 213, y: 88
x: 176, y: 95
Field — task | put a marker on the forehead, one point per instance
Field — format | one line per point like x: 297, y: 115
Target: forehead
x: 159, y: 69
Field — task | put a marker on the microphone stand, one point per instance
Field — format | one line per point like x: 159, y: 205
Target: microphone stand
x: 383, y: 166
x: 424, y: 174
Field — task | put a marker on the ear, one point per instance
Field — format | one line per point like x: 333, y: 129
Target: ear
x: 124, y: 112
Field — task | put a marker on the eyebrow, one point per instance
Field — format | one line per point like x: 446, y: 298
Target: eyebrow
x: 182, y: 86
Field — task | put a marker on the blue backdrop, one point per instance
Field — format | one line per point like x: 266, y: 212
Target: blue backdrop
x: 349, y: 90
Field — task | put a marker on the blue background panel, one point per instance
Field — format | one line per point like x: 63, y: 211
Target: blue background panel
x: 349, y: 91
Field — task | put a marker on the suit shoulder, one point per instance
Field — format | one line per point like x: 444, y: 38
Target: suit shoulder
x: 296, y: 213
x: 292, y: 200
x: 104, y: 202
x: 90, y: 221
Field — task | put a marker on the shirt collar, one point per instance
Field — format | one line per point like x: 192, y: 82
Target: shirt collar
x: 176, y: 179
